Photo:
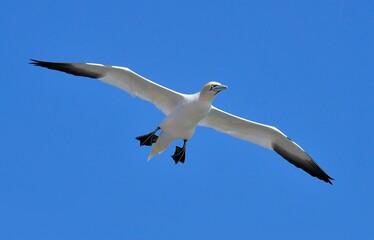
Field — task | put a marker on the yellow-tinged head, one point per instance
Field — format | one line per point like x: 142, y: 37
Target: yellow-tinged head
x: 211, y: 89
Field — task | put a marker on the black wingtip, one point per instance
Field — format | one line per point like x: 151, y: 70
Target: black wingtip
x: 312, y: 168
x: 77, y: 69
x: 34, y: 62
x: 326, y: 177
x: 330, y: 179
x: 38, y: 63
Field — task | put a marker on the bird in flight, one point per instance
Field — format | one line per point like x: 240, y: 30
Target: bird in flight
x: 184, y: 112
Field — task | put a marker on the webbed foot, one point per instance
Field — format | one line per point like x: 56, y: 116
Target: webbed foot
x: 180, y: 153
x: 148, y: 139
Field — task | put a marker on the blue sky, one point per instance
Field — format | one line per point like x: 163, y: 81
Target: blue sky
x: 70, y: 167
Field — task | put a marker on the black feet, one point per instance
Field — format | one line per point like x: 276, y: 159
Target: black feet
x: 180, y: 153
x: 148, y: 139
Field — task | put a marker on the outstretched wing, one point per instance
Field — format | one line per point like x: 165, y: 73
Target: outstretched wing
x: 165, y: 99
x: 265, y: 136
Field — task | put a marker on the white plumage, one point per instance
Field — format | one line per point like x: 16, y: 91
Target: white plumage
x: 184, y: 112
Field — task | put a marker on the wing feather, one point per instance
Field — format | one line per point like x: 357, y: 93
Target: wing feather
x: 265, y: 136
x: 165, y: 99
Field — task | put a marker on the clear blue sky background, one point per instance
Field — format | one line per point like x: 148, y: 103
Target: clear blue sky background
x: 70, y: 167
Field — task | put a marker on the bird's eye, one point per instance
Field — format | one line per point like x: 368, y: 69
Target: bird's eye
x: 212, y: 86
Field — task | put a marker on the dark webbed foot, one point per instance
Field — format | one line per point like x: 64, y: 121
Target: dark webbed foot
x: 148, y: 139
x: 180, y: 153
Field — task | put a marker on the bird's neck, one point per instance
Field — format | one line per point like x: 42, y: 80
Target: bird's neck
x: 205, y: 98
x: 203, y: 103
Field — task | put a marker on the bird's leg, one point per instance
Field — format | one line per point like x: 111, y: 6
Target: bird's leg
x: 148, y: 139
x: 180, y: 153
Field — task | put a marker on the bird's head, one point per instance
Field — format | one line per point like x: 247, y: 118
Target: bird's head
x: 211, y: 89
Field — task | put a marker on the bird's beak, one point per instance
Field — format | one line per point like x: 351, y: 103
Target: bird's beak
x: 219, y: 88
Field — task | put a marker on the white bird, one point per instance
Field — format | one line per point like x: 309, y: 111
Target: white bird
x: 184, y: 112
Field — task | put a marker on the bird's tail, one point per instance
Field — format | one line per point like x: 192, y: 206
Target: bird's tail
x: 161, y: 144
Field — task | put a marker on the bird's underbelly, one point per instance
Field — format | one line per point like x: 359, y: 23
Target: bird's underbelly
x: 181, y: 125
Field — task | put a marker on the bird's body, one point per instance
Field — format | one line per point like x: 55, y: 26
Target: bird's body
x: 184, y: 112
x: 179, y: 124
x: 183, y: 119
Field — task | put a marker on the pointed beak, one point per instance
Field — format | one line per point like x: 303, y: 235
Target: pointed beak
x: 219, y: 88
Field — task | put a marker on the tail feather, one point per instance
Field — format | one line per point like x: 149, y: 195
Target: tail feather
x: 161, y: 144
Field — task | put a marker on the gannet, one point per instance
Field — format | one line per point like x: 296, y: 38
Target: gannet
x: 184, y: 112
